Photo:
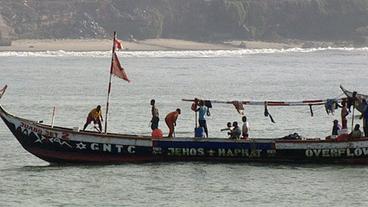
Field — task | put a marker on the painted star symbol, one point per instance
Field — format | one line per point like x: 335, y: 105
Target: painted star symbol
x: 81, y: 145
x: 38, y: 140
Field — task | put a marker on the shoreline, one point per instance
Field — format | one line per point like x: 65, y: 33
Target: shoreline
x: 84, y: 45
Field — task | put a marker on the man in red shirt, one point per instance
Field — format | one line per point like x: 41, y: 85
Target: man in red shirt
x: 170, y: 120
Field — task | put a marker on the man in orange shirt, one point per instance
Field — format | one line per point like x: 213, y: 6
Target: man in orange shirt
x: 171, y: 121
x: 94, y: 115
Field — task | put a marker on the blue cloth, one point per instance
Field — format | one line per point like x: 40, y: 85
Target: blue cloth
x: 202, y: 113
x: 199, y: 132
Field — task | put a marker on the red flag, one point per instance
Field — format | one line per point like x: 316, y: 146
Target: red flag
x: 118, y: 44
x: 2, y: 91
x: 117, y: 70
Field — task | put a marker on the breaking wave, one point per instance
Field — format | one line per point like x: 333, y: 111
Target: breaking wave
x: 176, y: 54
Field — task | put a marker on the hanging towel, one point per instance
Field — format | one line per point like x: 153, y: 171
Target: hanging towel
x: 330, y: 106
x: 239, y: 107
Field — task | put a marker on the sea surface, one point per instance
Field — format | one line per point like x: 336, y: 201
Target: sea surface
x: 75, y: 82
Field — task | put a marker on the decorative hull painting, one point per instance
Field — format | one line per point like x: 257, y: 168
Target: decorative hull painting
x: 63, y: 145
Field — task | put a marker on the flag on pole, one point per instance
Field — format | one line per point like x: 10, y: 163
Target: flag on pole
x: 117, y: 70
x: 118, y: 44
x: 2, y: 91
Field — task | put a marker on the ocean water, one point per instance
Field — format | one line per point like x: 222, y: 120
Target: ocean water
x: 75, y: 82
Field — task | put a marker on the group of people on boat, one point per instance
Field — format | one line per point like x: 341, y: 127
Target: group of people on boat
x: 202, y: 108
x: 170, y: 121
x: 342, y: 130
x: 234, y: 130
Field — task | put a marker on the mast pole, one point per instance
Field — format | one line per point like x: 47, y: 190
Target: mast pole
x: 110, y: 80
x: 352, y: 120
x: 53, y: 117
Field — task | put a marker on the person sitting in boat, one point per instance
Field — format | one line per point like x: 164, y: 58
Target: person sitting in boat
x: 356, y: 133
x: 245, y: 128
x: 94, y: 115
x: 170, y: 120
x: 336, y: 128
x: 202, y: 112
x: 235, y: 132
x: 155, y: 116
x: 228, y: 127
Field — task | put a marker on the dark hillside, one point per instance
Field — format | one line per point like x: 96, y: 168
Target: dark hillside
x: 203, y: 20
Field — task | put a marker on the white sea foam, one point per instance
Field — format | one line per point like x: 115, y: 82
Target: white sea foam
x: 175, y: 54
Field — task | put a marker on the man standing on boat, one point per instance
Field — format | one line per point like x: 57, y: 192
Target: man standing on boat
x: 170, y: 120
x: 245, y: 129
x: 94, y: 115
x: 155, y: 117
x: 344, y: 114
x: 202, y: 112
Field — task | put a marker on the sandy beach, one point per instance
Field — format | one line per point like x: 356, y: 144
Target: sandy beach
x: 142, y: 45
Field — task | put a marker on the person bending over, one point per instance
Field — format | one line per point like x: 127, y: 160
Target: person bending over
x: 94, y: 115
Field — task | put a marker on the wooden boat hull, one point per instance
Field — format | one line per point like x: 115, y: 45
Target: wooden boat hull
x: 63, y: 145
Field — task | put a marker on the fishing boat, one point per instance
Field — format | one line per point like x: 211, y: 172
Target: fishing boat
x: 60, y: 145
x: 67, y: 145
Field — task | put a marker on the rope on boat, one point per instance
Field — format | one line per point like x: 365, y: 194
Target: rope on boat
x: 329, y: 104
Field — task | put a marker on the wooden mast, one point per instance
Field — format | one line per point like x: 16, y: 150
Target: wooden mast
x: 110, y: 80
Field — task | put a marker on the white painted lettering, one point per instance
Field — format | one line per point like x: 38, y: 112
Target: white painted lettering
x: 119, y: 147
x: 358, y: 152
x: 131, y: 149
x: 245, y: 153
x: 94, y: 146
x: 106, y: 147
x: 309, y: 153
x: 237, y: 152
x: 200, y: 152
x: 221, y: 152
x: 348, y: 153
x: 171, y: 151
x: 186, y: 151
x: 365, y: 151
x: 317, y: 152
x: 229, y: 153
x: 333, y: 153
x: 325, y: 153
